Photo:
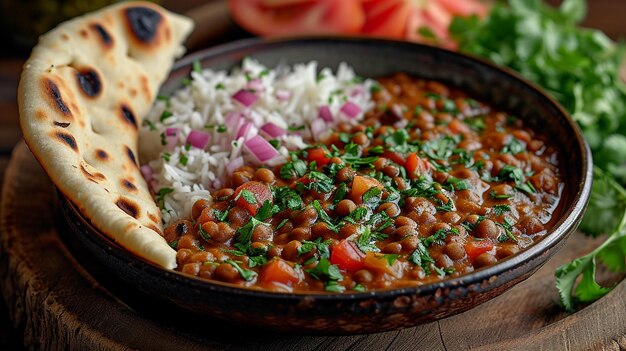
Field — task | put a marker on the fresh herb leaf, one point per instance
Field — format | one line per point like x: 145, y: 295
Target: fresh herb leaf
x: 324, y: 217
x: 165, y: 115
x: 183, y: 159
x: 499, y: 210
x: 248, y: 196
x: 160, y: 196
x: 203, y: 233
x: 421, y: 257
x: 197, y: 67
x: 246, y: 274
x: 325, y: 271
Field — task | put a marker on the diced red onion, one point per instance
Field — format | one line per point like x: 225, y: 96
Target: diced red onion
x: 171, y: 131
x: 256, y: 85
x: 147, y: 172
x: 198, y: 139
x: 234, y: 120
x: 245, y: 97
x: 171, y: 141
x: 283, y: 95
x: 234, y: 164
x: 246, y: 131
x: 350, y: 109
x: 273, y: 130
x: 318, y: 128
x: 325, y: 113
x: 358, y: 90
x: 261, y: 148
x: 153, y: 184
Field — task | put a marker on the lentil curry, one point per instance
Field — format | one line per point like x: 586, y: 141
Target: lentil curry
x: 432, y: 184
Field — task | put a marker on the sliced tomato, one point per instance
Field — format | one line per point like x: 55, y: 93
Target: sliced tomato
x: 288, y: 17
x: 395, y: 157
x: 319, y: 156
x: 416, y: 166
x: 478, y: 247
x: 261, y: 194
x: 385, y: 18
x: 360, y: 185
x: 465, y: 7
x: 279, y: 271
x: 347, y: 256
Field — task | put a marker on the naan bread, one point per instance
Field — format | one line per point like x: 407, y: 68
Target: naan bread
x: 82, y: 96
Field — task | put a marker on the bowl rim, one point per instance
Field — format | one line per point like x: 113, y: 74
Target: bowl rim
x: 569, y: 219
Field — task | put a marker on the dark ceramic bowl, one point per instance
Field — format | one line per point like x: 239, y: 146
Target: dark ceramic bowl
x: 376, y: 310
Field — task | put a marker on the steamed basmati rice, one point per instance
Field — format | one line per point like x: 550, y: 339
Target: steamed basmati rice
x: 289, y: 97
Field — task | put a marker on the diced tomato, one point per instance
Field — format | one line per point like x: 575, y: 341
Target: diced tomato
x: 477, y: 247
x: 378, y: 262
x: 288, y: 17
x: 395, y: 157
x: 416, y: 166
x: 347, y: 256
x: 261, y: 194
x: 319, y: 156
x: 457, y: 126
x: 360, y: 185
x: 279, y: 271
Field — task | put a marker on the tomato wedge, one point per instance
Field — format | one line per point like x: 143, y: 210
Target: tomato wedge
x: 385, y: 18
x: 287, y: 17
x: 319, y: 156
x: 252, y: 195
x: 416, y: 166
x: 279, y: 271
x: 360, y: 185
x: 478, y: 247
x: 347, y: 256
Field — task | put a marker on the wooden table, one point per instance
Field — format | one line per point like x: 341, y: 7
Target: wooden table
x: 604, y: 14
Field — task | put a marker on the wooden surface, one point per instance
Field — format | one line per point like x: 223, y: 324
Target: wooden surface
x: 59, y: 305
x: 531, y: 320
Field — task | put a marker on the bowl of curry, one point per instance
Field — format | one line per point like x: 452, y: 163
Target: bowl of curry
x: 460, y: 182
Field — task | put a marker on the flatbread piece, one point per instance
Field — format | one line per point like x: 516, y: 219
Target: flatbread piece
x: 82, y: 96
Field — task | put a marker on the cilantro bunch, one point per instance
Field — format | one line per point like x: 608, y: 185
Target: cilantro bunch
x: 580, y: 68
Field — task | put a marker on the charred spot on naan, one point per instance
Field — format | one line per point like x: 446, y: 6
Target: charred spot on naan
x: 67, y: 139
x: 145, y: 87
x: 103, y: 34
x: 102, y: 155
x: 89, y: 81
x: 128, y: 116
x: 154, y: 218
x: 128, y: 206
x: 131, y: 156
x: 53, y: 94
x: 144, y: 23
x: 128, y: 185
x: 61, y: 124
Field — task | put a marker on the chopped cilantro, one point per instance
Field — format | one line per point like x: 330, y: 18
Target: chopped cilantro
x: 325, y: 271
x: 197, y: 67
x: 160, y: 197
x: 165, y: 115
x: 203, y: 233
x: 499, y: 210
x: 246, y: 274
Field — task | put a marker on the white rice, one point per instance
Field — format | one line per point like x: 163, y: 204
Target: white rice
x: 205, y: 104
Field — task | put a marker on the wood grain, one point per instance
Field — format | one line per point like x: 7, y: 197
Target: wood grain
x: 57, y: 304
